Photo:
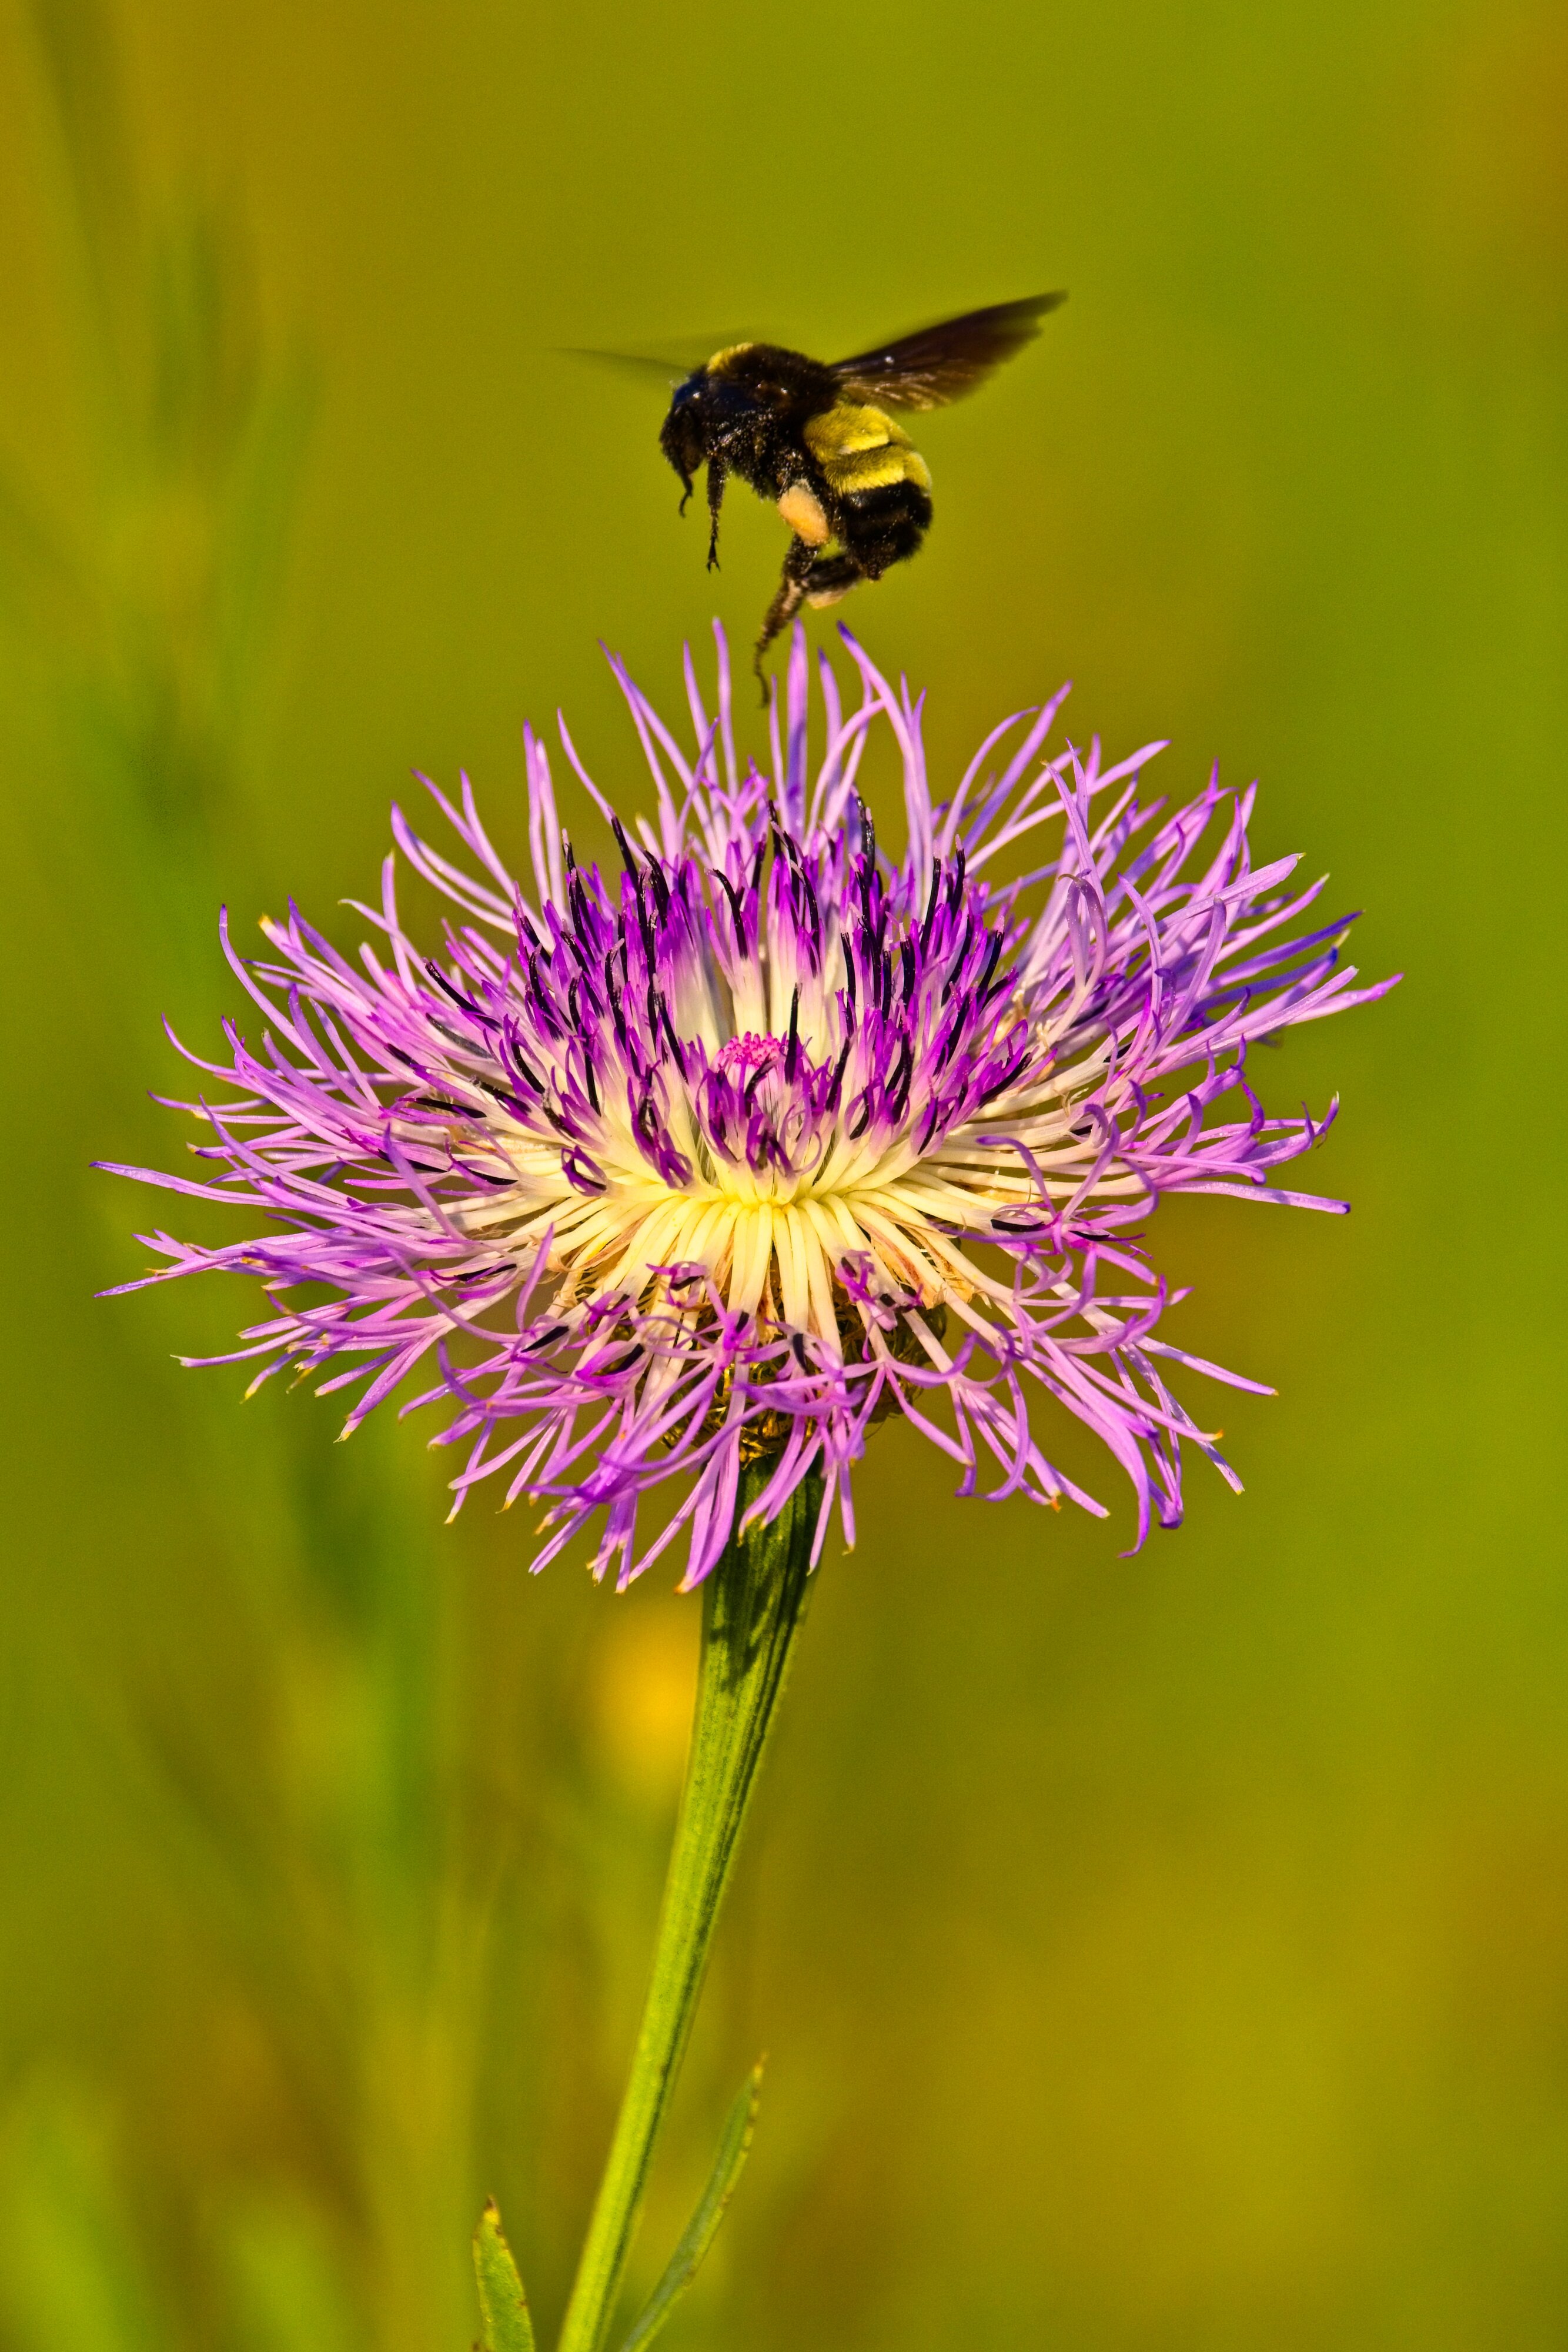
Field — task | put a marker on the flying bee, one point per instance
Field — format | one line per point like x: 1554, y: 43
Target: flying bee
x: 816, y: 440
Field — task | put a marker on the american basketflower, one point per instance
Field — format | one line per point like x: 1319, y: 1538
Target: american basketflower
x: 728, y: 1155
x: 690, y: 1173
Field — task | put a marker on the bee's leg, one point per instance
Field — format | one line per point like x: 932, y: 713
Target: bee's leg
x: 786, y: 603
x: 831, y: 577
x: 715, y: 481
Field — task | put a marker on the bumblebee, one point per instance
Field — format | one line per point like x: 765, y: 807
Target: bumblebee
x: 816, y: 440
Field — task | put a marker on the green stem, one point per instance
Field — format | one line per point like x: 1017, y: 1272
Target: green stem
x: 753, y: 1606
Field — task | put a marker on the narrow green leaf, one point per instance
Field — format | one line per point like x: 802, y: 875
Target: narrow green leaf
x: 703, y: 2227
x: 503, y: 2306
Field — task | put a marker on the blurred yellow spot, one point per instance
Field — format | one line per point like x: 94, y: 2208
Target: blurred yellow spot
x: 642, y: 1695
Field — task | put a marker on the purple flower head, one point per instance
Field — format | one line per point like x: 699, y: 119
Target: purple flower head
x: 726, y: 1157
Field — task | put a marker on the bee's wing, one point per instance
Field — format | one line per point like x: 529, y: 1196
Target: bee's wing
x: 697, y: 349
x: 641, y: 363
x: 936, y: 364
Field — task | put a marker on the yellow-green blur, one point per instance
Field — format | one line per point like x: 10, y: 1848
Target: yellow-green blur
x: 1151, y: 1955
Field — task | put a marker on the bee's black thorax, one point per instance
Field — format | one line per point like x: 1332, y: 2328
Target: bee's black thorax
x: 745, y: 411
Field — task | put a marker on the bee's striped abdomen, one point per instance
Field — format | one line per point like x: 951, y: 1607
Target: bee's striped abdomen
x: 862, y: 449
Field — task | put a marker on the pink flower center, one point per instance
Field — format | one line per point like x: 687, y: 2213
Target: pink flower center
x: 742, y: 1054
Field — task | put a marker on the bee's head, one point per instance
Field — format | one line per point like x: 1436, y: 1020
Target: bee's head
x: 684, y: 435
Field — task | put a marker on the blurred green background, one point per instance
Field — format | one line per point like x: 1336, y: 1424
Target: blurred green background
x: 1156, y: 1953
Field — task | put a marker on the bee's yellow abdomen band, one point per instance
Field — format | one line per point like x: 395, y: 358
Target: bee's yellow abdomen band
x: 863, y: 449
x: 873, y: 469
x: 843, y: 431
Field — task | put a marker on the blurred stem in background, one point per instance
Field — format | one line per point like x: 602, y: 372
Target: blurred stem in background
x: 337, y: 1893
x: 153, y: 617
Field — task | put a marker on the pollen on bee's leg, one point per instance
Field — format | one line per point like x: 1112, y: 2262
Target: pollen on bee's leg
x: 803, y: 511
x: 822, y: 597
